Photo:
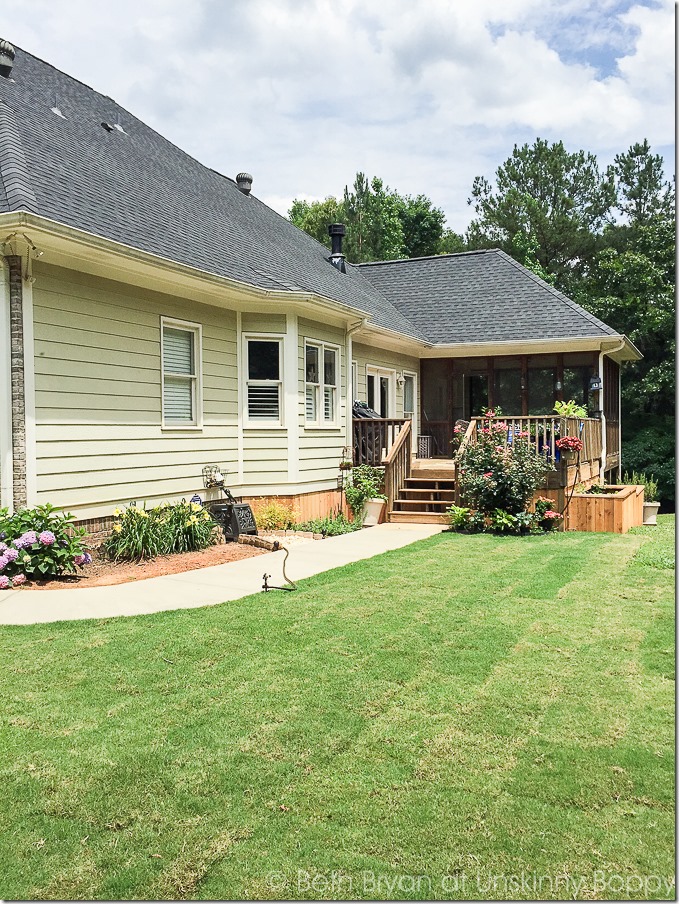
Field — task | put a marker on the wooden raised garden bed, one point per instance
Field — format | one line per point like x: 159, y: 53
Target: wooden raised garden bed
x: 614, y: 511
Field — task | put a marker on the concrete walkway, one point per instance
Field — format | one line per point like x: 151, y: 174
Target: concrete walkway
x: 206, y: 586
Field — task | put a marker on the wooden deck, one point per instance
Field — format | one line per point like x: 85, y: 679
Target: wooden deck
x: 420, y: 490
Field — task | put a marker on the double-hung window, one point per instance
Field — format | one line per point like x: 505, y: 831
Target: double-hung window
x: 264, y: 383
x: 181, y: 373
x: 321, y: 390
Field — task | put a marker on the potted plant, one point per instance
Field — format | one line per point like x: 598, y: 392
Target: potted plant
x: 569, y: 446
x: 364, y: 494
x: 651, y: 504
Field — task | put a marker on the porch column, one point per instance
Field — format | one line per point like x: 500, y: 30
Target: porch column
x: 604, y: 450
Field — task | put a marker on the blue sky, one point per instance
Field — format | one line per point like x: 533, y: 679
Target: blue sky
x: 303, y: 93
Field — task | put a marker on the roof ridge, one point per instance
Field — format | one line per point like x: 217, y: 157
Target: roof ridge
x: 13, y: 167
x: 428, y: 257
x: 557, y: 293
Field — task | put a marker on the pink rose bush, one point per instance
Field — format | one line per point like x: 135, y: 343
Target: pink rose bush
x: 498, y: 476
x: 37, y: 544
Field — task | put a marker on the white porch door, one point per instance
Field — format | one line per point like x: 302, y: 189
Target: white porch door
x: 381, y: 391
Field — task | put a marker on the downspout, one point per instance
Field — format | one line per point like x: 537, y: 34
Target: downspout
x: 349, y: 353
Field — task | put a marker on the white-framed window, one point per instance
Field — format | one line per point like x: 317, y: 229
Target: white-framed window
x: 181, y: 366
x: 354, y: 381
x: 263, y: 380
x: 321, y: 383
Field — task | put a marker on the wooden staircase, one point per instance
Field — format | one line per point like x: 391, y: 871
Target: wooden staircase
x: 426, y: 494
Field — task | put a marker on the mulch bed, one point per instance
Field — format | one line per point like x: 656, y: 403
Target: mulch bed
x: 103, y: 572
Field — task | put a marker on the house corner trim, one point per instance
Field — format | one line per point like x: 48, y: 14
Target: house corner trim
x: 18, y: 384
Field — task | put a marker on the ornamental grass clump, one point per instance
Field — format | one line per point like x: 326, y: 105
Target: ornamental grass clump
x: 37, y: 544
x: 140, y: 533
x: 495, y: 473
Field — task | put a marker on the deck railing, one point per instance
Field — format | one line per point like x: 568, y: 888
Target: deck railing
x: 542, y: 433
x: 374, y: 437
x: 397, y: 465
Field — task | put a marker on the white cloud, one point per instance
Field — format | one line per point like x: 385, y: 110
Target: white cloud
x: 302, y: 93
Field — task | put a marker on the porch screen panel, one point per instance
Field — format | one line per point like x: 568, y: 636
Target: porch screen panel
x: 576, y: 384
x: 541, y: 393
x: 507, y: 391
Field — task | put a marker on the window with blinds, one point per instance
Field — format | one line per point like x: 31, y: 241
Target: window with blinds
x: 180, y: 363
x: 321, y: 384
x: 264, y: 385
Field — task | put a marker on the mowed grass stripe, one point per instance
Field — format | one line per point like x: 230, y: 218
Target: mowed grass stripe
x: 457, y: 705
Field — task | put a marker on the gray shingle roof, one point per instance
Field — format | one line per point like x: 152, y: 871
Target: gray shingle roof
x: 480, y: 296
x: 134, y: 187
x: 137, y: 188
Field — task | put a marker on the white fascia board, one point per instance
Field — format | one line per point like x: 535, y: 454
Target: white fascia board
x: 524, y: 347
x: 63, y: 245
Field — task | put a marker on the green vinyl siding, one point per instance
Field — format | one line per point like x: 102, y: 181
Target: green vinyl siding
x: 99, y: 436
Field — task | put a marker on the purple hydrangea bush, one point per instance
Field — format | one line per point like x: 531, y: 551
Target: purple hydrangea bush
x: 39, y: 543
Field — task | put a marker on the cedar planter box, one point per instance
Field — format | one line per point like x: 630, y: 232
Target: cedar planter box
x: 614, y: 511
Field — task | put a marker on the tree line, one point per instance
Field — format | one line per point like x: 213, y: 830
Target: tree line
x: 605, y: 236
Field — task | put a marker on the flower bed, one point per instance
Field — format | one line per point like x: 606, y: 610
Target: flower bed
x: 39, y: 543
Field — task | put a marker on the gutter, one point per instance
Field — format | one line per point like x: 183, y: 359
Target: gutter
x: 45, y: 226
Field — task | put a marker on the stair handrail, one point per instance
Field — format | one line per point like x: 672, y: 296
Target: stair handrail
x: 469, y: 437
x: 397, y: 464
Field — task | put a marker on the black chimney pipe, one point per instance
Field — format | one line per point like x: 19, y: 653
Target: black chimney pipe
x: 337, y: 231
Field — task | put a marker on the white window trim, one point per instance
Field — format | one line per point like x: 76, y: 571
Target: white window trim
x: 320, y: 423
x: 354, y: 382
x: 196, y: 380
x: 416, y: 413
x: 260, y: 424
x: 378, y: 372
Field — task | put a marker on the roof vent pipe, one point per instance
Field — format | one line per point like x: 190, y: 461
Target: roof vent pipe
x: 337, y: 231
x: 7, y: 54
x: 244, y: 182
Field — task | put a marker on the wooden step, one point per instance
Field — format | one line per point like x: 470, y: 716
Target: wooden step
x: 425, y: 483
x: 428, y: 493
x: 417, y: 517
x: 424, y: 504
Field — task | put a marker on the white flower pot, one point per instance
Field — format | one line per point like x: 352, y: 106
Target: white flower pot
x: 651, y: 512
x: 373, y: 512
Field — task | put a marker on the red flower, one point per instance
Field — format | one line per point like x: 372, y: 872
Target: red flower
x: 570, y: 444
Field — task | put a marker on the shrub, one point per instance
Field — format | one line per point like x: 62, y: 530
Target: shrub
x: 367, y: 482
x: 331, y: 526
x: 140, y: 533
x: 651, y: 449
x: 494, y: 474
x: 39, y: 543
x: 272, y: 514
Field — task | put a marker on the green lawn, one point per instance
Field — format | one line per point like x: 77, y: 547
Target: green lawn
x: 469, y: 717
